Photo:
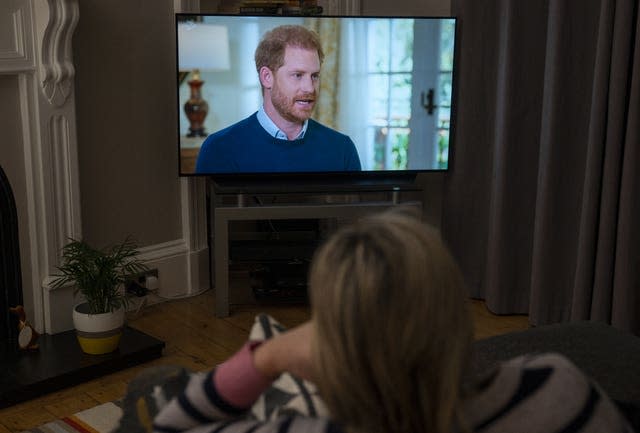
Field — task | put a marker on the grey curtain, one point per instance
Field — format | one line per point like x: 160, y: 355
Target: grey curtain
x: 542, y: 202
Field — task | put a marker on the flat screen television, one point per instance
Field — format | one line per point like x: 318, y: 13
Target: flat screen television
x: 387, y: 83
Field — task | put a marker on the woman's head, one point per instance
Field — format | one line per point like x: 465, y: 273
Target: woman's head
x: 392, y: 329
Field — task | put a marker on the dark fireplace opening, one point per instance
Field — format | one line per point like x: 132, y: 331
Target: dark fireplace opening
x: 10, y: 276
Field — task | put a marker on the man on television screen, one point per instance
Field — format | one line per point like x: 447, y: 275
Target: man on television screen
x: 281, y: 136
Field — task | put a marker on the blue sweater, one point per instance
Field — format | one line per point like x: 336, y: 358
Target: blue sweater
x: 245, y: 147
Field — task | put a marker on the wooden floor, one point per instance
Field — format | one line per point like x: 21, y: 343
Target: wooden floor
x: 197, y: 340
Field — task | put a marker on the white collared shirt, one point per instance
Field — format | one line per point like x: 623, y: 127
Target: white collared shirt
x: 273, y: 130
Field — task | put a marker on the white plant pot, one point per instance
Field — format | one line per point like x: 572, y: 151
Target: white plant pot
x: 98, y: 333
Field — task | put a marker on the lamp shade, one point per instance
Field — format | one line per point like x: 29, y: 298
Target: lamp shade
x: 203, y: 46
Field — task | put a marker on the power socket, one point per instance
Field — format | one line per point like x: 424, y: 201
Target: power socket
x: 136, y: 289
x: 149, y: 280
x: 141, y: 284
x: 152, y: 283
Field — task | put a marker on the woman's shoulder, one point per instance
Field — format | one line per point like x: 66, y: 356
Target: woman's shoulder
x: 544, y: 392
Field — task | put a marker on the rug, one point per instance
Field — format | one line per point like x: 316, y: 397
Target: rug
x: 103, y: 418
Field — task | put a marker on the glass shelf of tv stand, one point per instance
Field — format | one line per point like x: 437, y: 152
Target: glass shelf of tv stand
x: 222, y: 215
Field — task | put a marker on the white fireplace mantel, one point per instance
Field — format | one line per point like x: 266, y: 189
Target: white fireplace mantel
x: 35, y: 46
x: 36, y: 53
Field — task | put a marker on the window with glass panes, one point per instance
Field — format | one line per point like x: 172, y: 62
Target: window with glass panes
x: 390, y: 76
x: 390, y: 66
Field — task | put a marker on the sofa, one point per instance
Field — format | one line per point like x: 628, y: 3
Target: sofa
x: 609, y: 356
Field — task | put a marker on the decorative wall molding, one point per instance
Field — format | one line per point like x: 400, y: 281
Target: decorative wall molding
x: 65, y: 175
x: 40, y: 54
x: 36, y: 224
x: 40, y: 34
x: 163, y: 250
x: 193, y: 211
x: 182, y: 270
x: 193, y: 192
x: 194, y: 231
x: 57, y: 70
x: 16, y: 51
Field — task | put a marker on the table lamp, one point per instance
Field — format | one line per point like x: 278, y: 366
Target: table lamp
x: 201, y: 47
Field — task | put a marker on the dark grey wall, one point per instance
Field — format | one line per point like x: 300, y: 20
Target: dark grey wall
x: 125, y: 99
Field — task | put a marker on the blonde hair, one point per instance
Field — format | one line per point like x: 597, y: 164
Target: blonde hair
x: 392, y: 327
x: 270, y: 51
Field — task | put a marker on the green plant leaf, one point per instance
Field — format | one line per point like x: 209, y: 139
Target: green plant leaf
x: 99, y: 274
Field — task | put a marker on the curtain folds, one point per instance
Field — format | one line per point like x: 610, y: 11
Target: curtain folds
x: 541, y: 206
x: 328, y: 104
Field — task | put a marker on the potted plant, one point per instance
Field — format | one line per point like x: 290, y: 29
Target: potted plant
x: 99, y: 275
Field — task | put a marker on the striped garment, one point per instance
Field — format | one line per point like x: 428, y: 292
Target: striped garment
x: 541, y: 393
x: 528, y: 394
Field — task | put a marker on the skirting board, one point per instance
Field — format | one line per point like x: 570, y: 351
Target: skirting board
x: 181, y: 273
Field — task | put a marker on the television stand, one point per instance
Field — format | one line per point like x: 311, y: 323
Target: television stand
x: 222, y: 214
x: 241, y: 197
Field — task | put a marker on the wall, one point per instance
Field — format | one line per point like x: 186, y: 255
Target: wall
x: 124, y: 54
x: 125, y: 98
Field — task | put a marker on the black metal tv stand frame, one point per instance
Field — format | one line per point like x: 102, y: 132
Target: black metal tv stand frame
x: 232, y: 203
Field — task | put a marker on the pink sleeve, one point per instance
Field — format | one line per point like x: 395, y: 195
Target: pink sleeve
x: 237, y: 380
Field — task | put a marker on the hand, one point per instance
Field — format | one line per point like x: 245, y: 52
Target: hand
x: 290, y: 351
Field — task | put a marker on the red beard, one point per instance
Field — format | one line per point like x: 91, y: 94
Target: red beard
x: 290, y: 108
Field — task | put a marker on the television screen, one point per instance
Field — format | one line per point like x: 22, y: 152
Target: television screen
x: 375, y: 98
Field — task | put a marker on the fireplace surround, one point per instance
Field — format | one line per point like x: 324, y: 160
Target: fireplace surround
x: 39, y: 153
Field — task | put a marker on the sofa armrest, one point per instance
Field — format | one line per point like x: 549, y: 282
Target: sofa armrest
x: 608, y: 355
